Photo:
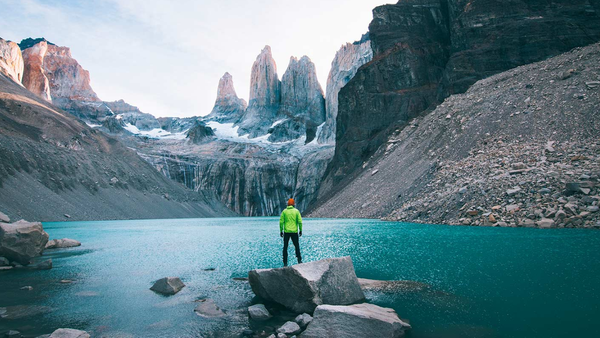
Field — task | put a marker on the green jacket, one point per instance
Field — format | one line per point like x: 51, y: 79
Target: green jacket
x: 290, y: 220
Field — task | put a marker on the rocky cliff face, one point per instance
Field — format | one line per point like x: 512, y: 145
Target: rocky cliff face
x: 34, y: 75
x: 519, y: 148
x: 11, y: 60
x: 228, y: 108
x: 302, y: 102
x: 53, y: 164
x: 343, y: 68
x: 265, y: 95
x: 53, y: 74
x: 427, y: 50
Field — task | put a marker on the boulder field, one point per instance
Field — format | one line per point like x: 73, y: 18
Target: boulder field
x: 328, y: 289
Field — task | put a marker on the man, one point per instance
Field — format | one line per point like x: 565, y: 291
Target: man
x: 289, y: 224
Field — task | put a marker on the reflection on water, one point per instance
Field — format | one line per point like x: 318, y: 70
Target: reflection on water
x: 471, y: 282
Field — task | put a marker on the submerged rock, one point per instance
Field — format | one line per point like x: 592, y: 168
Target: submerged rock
x: 391, y: 286
x: 301, y: 288
x: 62, y: 243
x: 4, y: 218
x: 360, y: 320
x: 69, y: 333
x: 207, y: 308
x: 21, y: 241
x: 259, y: 312
x: 168, y: 285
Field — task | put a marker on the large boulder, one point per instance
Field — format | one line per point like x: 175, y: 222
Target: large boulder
x: 355, y: 321
x: 303, y: 287
x: 62, y: 243
x: 168, y: 285
x: 69, y: 333
x: 21, y: 241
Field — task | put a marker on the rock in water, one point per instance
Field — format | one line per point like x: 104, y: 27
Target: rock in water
x: 343, y: 68
x: 62, y: 243
x: 259, y: 312
x: 289, y: 328
x: 4, y: 218
x: 21, y: 241
x: 356, y: 321
x: 228, y: 108
x: 69, y: 333
x: 301, y: 288
x: 11, y: 60
x: 168, y: 285
x: 207, y: 308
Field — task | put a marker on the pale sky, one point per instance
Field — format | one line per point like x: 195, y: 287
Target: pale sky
x: 167, y: 56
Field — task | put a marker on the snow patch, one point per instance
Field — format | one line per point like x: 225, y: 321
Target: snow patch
x: 155, y: 133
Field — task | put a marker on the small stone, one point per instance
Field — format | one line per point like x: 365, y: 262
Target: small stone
x: 27, y: 288
x: 247, y: 333
x: 303, y: 320
x: 289, y: 328
x: 527, y: 223
x: 168, y: 285
x: 462, y: 190
x: 592, y: 84
x: 513, y: 191
x: 492, y: 219
x: 13, y: 334
x: 374, y: 172
x: 69, y: 333
x: 512, y: 208
x: 560, y: 215
x: 472, y: 212
x: 4, y: 261
x: 545, y: 223
x: 259, y: 312
x: 545, y: 191
x: 593, y: 208
x: 519, y: 165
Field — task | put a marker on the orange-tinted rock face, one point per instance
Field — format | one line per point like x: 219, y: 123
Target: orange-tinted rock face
x: 68, y: 80
x: 34, y: 77
x: 11, y: 61
x: 53, y: 74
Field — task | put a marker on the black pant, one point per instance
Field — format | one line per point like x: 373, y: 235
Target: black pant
x: 286, y: 241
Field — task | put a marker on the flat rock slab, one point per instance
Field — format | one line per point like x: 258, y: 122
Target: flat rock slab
x: 303, y: 287
x: 208, y: 309
x: 168, y: 285
x: 355, y: 321
x: 69, y: 333
x: 21, y: 241
x: 62, y: 243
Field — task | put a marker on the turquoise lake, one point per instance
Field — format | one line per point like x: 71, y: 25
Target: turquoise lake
x: 482, y: 282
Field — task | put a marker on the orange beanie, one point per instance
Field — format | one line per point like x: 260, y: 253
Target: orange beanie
x: 291, y: 201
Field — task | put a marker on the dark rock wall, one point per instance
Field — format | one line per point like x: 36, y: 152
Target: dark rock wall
x: 425, y: 51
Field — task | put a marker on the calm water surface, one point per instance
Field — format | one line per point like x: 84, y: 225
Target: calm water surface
x: 483, y: 282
